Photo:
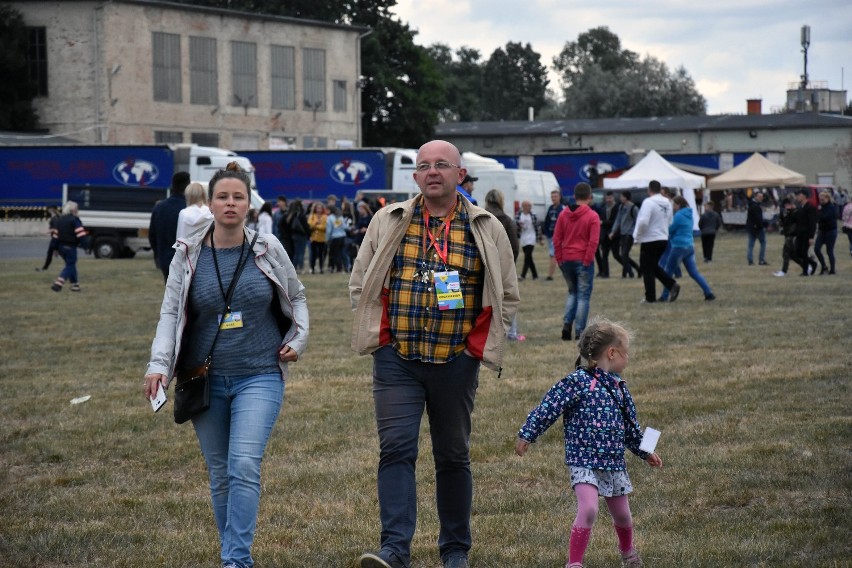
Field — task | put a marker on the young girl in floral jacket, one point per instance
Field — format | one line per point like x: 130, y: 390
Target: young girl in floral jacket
x: 600, y: 421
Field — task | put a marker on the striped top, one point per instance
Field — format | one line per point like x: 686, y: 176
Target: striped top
x: 248, y: 350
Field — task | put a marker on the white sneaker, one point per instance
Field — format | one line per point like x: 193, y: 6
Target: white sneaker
x: 780, y: 273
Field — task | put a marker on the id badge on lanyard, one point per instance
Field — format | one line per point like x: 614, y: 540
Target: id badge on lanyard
x: 447, y: 282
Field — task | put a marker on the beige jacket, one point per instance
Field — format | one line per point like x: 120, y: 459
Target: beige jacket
x: 371, y: 271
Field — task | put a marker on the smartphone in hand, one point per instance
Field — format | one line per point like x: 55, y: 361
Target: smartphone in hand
x: 159, y: 400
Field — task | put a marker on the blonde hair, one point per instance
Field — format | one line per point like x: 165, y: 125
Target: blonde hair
x: 195, y: 194
x: 598, y: 335
x: 827, y: 193
x: 495, y: 196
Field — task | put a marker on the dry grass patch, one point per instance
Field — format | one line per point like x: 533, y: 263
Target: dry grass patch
x: 751, y: 393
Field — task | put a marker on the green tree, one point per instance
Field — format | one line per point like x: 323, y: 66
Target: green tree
x: 600, y: 80
x: 516, y: 80
x: 462, y: 76
x: 16, y: 90
x: 401, y: 88
x: 598, y: 48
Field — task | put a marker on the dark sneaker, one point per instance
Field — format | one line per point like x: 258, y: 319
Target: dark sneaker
x: 566, y: 332
x: 56, y: 287
x: 549, y: 278
x: 381, y: 560
x: 456, y: 562
x: 674, y: 292
x: 764, y: 263
x: 709, y: 298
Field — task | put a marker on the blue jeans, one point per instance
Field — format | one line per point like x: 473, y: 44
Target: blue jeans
x: 69, y: 255
x: 687, y: 257
x: 760, y: 236
x: 233, y: 435
x: 401, y: 391
x: 580, y: 280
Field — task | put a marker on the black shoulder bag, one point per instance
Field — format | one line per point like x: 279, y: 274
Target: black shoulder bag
x: 192, y: 391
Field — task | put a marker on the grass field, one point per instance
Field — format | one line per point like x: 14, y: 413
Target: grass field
x: 751, y: 392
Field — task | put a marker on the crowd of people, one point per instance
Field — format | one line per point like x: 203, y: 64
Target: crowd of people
x: 319, y: 236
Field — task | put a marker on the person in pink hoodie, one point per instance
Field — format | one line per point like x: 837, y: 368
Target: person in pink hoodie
x: 575, y: 241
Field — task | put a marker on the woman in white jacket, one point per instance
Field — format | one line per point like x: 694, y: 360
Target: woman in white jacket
x: 196, y: 214
x: 262, y: 331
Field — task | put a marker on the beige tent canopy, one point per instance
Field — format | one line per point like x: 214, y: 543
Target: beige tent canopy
x: 756, y: 171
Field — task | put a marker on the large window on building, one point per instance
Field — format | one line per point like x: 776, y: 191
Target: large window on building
x: 167, y: 137
x: 167, y: 76
x: 283, y: 64
x: 205, y: 138
x: 203, y: 71
x: 37, y: 59
x: 313, y: 64
x: 244, y: 73
x: 311, y: 142
x: 339, y: 94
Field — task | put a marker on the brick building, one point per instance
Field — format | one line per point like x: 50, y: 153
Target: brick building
x: 146, y: 72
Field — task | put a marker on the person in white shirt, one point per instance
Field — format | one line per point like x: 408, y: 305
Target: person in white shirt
x: 264, y: 218
x: 196, y: 214
x: 528, y: 232
x: 652, y: 234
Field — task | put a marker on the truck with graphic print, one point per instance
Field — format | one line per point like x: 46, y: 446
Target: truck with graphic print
x: 316, y: 174
x: 115, y: 187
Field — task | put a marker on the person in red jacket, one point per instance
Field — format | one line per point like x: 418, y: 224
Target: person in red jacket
x: 575, y: 241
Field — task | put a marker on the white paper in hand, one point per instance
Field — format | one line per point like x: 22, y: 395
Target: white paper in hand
x: 649, y: 440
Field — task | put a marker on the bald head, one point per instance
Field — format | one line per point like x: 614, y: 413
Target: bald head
x: 441, y: 147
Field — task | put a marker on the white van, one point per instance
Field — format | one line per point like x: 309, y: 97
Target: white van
x: 517, y: 185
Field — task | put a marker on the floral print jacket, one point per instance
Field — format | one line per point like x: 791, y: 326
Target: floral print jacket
x: 595, y: 429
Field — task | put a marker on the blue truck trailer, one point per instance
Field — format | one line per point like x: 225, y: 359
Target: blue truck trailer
x: 316, y: 174
x: 33, y: 176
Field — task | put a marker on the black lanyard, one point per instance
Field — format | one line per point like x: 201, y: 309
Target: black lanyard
x: 228, y: 295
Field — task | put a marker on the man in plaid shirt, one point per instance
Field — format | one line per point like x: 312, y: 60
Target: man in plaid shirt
x: 434, y: 289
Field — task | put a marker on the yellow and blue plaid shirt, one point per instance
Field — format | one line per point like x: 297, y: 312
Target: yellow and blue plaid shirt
x: 419, y: 330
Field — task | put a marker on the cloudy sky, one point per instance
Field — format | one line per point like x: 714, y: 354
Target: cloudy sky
x: 733, y: 49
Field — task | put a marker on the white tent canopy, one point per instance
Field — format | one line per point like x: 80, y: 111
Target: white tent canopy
x: 655, y: 167
x: 756, y: 171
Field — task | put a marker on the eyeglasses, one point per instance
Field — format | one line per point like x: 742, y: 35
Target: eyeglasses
x: 440, y: 166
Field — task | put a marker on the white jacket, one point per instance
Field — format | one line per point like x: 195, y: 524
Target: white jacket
x: 269, y: 256
x: 652, y: 223
x: 193, y: 218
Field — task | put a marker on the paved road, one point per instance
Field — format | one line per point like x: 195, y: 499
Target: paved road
x: 12, y: 248
x: 35, y: 248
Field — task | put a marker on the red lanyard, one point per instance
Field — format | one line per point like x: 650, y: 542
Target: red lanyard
x: 432, y: 241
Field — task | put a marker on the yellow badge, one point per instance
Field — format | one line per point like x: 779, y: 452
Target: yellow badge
x: 232, y: 320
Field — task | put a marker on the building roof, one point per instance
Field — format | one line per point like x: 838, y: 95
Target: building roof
x: 227, y: 12
x: 642, y: 125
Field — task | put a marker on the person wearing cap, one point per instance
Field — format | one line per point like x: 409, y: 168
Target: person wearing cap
x: 466, y: 188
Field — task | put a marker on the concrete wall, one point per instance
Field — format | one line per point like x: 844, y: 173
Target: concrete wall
x: 100, y: 75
